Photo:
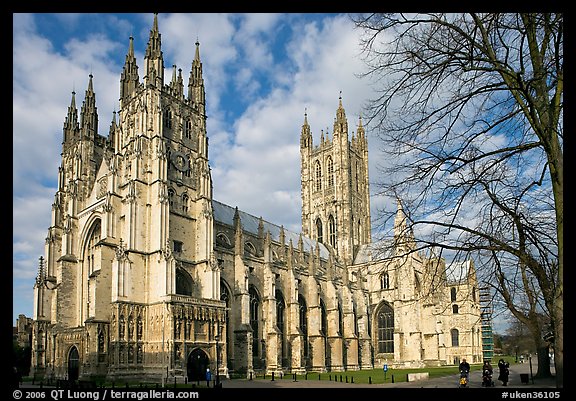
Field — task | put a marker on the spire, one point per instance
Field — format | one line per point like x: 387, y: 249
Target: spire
x: 340, y: 122
x: 196, y: 91
x: 260, y: 228
x: 403, y: 235
x: 177, y: 84
x: 238, y: 241
x: 153, y: 56
x: 89, y: 113
x: 129, y: 79
x: 306, y: 135
x: 71, y: 121
x: 361, y: 135
x: 112, y: 131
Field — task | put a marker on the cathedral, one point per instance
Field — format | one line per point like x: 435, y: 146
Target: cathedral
x: 145, y: 276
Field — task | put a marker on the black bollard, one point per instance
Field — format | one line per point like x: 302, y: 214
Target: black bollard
x: 330, y: 377
x: 272, y: 376
x: 250, y: 375
x: 369, y: 379
x: 352, y: 379
x: 319, y: 378
x: 392, y: 378
x: 340, y: 378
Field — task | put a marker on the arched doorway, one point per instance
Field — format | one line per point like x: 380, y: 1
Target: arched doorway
x: 73, y: 364
x: 198, y: 362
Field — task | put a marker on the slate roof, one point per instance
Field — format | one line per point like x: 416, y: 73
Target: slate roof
x: 224, y: 214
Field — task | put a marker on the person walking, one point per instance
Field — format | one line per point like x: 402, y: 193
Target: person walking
x: 208, y: 377
x: 504, y: 372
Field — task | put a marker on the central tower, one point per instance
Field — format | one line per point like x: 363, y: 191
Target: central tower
x: 335, y: 188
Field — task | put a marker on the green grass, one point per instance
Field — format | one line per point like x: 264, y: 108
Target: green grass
x: 374, y: 376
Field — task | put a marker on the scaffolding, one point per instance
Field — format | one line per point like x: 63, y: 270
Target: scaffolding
x: 486, y: 320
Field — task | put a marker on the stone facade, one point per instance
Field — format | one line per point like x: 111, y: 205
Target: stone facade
x: 146, y: 276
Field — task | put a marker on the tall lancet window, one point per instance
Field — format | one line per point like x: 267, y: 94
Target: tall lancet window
x: 188, y: 128
x: 168, y: 118
x: 319, y: 235
x: 318, y: 171
x: 332, y: 231
x: 330, y: 167
x: 93, y: 240
x: 385, y: 329
x: 254, y: 319
x: 280, y: 323
x: 303, y: 323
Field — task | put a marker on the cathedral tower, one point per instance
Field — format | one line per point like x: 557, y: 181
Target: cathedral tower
x: 335, y: 188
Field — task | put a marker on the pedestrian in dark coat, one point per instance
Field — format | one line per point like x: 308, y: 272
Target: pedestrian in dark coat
x: 504, y: 371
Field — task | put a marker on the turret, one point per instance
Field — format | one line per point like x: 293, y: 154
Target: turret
x: 129, y: 79
x: 306, y: 135
x: 71, y: 128
x: 153, y: 59
x: 89, y: 113
x: 196, y: 91
x: 340, y: 122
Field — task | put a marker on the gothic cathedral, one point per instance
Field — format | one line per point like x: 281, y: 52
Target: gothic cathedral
x: 146, y: 276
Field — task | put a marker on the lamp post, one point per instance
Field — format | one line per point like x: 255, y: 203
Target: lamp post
x: 217, y: 337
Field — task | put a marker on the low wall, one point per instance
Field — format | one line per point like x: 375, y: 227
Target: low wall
x: 412, y: 377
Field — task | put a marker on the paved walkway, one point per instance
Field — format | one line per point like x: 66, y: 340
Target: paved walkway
x: 451, y: 381
x: 442, y: 382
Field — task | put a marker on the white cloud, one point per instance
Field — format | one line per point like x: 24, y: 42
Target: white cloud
x: 255, y: 157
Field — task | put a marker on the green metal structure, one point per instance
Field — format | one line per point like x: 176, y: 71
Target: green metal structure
x: 486, y: 320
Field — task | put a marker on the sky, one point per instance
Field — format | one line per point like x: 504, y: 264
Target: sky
x: 262, y: 73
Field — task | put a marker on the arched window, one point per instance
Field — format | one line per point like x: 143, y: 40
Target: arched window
x: 340, y: 321
x: 280, y: 320
x: 356, y: 332
x: 318, y: 176
x: 171, y: 197
x: 453, y: 294
x: 222, y: 240
x: 384, y: 281
x: 93, y: 240
x: 332, y: 231
x: 385, y: 329
x: 168, y: 118
x: 455, y: 337
x: 303, y: 322
x: 324, y: 319
x: 455, y: 309
x: 183, y: 282
x: 249, y: 249
x: 319, y: 230
x: 330, y: 167
x: 225, y: 296
x: 185, y: 203
x: 254, y: 318
x: 324, y: 331
x: 188, y: 128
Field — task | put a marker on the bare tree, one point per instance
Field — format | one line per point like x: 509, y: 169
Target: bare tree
x: 469, y: 110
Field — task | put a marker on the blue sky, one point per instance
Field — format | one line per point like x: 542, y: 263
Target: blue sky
x: 261, y: 72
